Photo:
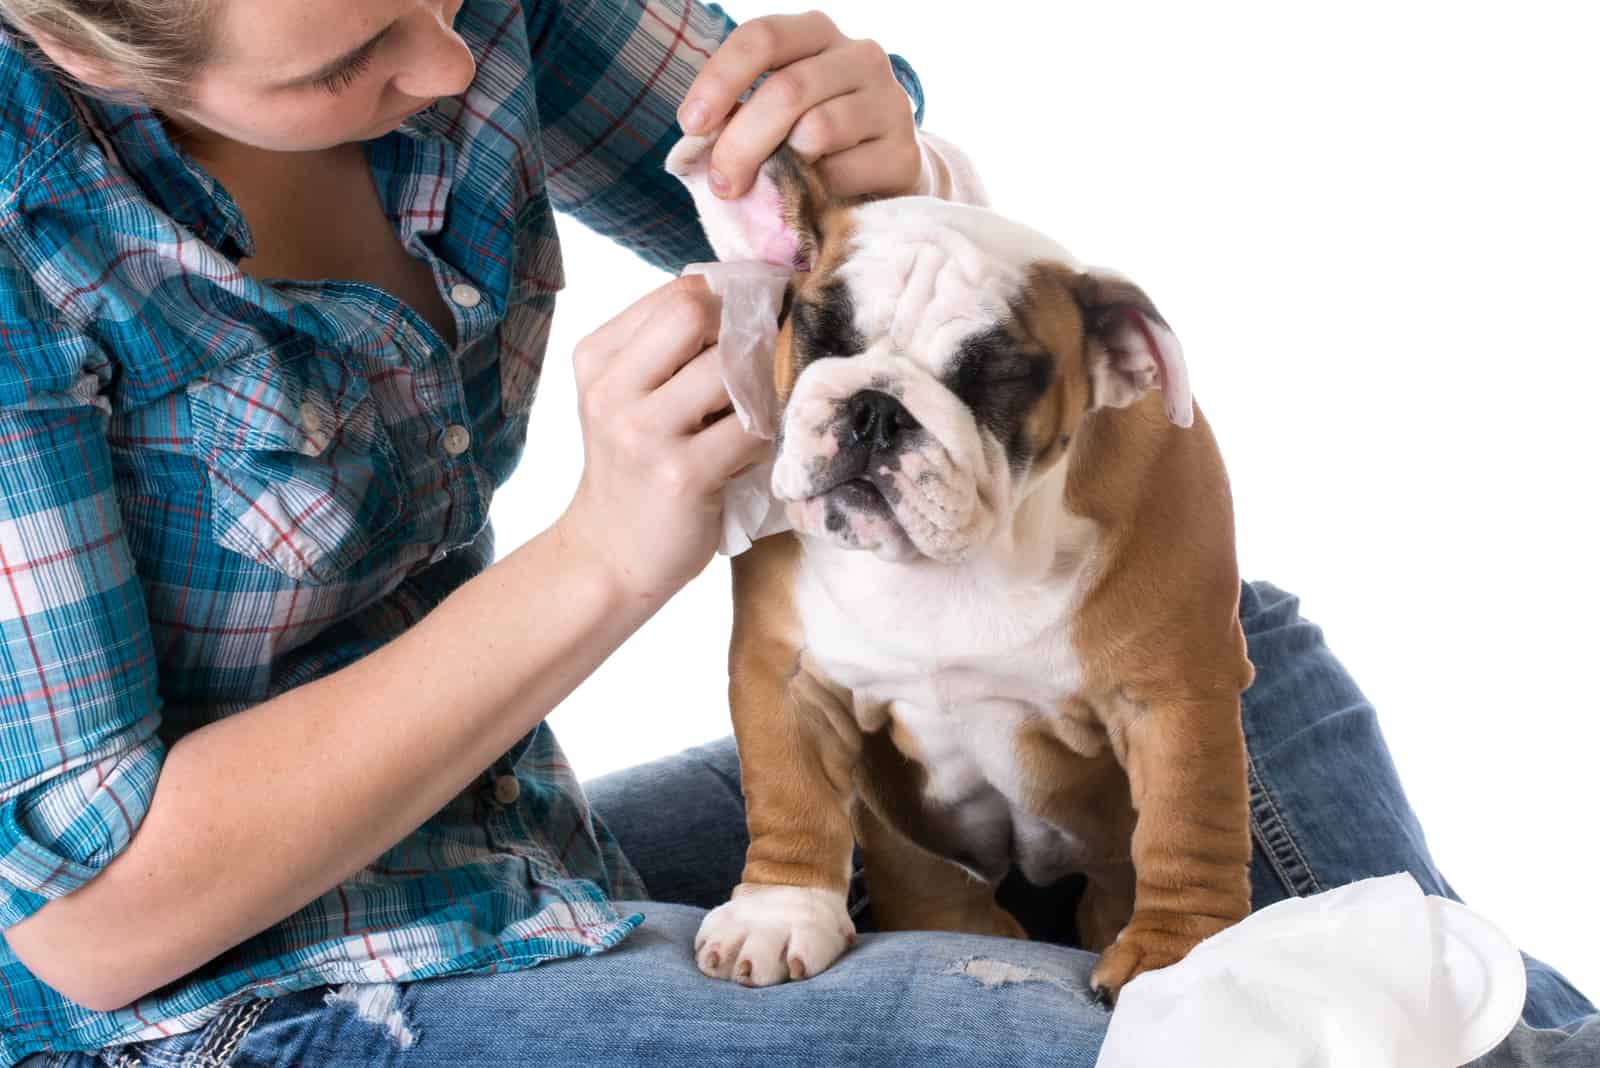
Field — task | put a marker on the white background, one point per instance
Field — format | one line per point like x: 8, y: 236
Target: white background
x: 1374, y: 228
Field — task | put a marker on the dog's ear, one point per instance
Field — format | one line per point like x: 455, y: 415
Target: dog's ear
x: 1128, y: 347
x: 779, y: 221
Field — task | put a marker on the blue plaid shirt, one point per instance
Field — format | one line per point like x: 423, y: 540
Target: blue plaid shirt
x: 213, y: 489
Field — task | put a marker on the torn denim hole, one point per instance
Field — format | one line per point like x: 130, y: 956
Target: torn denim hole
x: 376, y: 1003
x: 992, y: 974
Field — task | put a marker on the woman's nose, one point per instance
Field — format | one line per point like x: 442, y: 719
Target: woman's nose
x: 440, y: 63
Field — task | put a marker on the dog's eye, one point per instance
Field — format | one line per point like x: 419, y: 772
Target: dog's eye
x: 824, y: 325
x: 1005, y: 367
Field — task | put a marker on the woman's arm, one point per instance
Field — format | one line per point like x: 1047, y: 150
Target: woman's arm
x: 256, y: 815
x: 610, y: 80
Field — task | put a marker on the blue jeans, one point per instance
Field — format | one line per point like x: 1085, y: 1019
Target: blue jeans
x: 1326, y: 809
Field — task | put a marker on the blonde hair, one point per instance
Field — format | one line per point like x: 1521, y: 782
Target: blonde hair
x: 154, y: 46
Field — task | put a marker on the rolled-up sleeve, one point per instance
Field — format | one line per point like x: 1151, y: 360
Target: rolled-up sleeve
x: 79, y: 704
x: 609, y: 78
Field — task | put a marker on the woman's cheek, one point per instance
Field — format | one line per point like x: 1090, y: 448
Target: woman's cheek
x: 322, y: 121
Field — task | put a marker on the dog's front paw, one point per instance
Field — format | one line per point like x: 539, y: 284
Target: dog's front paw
x: 770, y: 934
x: 1145, y: 945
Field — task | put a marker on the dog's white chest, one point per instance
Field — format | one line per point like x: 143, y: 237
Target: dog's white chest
x: 958, y: 664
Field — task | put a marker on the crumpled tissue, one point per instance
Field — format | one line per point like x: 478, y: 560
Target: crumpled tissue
x: 752, y: 295
x: 1370, y: 975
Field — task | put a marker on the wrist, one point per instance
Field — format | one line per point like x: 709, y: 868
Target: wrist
x: 589, y: 562
x: 927, y: 182
x: 947, y: 173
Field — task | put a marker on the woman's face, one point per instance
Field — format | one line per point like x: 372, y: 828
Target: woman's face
x: 300, y: 75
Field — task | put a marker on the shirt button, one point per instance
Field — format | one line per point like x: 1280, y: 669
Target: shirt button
x: 456, y: 439
x: 507, y: 789
x: 465, y: 296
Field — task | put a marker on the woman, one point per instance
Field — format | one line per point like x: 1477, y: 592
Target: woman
x: 277, y: 276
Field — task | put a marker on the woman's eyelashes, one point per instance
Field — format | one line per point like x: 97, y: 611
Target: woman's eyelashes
x: 347, y: 75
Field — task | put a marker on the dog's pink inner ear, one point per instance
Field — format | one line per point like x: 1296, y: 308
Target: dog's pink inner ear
x: 759, y: 215
x: 760, y: 225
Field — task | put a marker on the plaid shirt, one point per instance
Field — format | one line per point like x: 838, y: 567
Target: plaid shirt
x: 213, y: 490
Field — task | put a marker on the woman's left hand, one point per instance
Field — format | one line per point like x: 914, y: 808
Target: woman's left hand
x: 834, y: 99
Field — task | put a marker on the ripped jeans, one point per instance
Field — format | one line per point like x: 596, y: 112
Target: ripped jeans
x: 1326, y: 809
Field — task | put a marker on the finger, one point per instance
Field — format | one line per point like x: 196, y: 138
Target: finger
x: 617, y: 330
x: 725, y: 449
x: 836, y: 126
x: 682, y: 404
x: 665, y: 343
x: 887, y: 166
x: 772, y: 111
x: 751, y: 50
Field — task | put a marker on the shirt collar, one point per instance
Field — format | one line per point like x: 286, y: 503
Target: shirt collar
x: 169, y: 176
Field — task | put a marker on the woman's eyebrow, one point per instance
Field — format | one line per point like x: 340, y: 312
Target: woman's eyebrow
x: 333, y: 67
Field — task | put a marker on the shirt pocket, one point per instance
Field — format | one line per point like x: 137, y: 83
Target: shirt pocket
x: 303, y: 475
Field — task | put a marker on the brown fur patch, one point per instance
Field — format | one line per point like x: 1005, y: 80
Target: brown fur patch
x: 798, y: 743
x: 1047, y: 315
x: 825, y: 229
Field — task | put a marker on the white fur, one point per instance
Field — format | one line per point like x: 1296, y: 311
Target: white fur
x: 963, y: 656
x: 1004, y: 240
x: 951, y: 492
x: 770, y: 934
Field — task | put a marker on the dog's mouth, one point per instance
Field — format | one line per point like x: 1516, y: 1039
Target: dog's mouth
x: 859, y: 494
x: 854, y: 513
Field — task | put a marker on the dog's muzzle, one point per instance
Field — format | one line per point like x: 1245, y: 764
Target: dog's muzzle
x: 863, y: 468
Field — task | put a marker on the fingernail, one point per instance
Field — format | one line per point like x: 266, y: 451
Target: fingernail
x: 694, y: 117
x: 719, y: 183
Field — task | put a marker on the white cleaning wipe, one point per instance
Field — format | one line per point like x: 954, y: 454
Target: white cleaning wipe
x: 752, y: 294
x: 1370, y: 975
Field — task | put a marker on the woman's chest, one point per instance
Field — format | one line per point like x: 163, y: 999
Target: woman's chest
x: 321, y: 217
x: 288, y: 452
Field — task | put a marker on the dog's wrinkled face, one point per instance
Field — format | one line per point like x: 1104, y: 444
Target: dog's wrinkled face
x: 918, y: 403
x: 934, y: 360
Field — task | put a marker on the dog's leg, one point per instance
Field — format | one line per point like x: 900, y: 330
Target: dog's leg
x: 798, y: 746
x: 1191, y: 841
x: 1105, y: 908
x: 913, y: 890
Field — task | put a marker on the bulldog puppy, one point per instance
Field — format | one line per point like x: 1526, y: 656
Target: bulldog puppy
x: 1005, y: 630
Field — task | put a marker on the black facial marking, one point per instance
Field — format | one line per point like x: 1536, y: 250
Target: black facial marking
x: 824, y: 325
x: 1000, y: 381
x: 788, y: 304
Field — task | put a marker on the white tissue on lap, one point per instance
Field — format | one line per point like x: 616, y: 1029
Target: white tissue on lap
x: 1371, y: 975
x: 752, y: 295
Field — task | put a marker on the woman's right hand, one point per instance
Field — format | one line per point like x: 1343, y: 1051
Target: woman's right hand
x: 659, y: 441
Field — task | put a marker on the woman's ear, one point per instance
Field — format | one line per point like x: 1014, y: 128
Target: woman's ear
x: 777, y: 222
x: 94, y: 73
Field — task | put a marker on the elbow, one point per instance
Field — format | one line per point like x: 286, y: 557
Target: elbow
x: 64, y: 955
x: 101, y: 993
x: 96, y: 999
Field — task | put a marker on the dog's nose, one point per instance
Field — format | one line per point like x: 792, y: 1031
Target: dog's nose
x: 877, y: 419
